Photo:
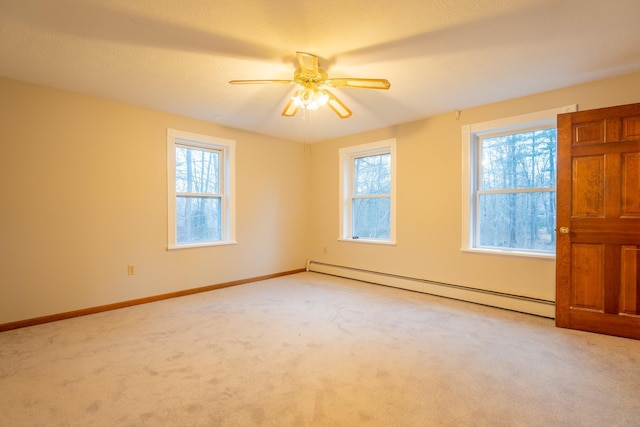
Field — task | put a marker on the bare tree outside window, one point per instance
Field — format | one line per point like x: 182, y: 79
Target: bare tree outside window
x: 198, y: 198
x: 371, y: 201
x: 516, y: 198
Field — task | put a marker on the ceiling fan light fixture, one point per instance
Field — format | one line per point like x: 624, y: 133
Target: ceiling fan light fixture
x: 310, y: 98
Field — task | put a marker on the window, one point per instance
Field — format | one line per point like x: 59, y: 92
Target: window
x: 200, y: 181
x: 367, y: 192
x: 510, y: 184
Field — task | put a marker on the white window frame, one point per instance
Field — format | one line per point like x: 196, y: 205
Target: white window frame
x: 226, y: 148
x: 346, y: 171
x: 470, y: 135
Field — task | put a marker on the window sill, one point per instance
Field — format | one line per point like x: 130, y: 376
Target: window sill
x: 511, y: 253
x: 201, y: 245
x: 369, y: 241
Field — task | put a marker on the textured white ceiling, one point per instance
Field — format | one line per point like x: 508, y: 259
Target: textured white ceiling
x: 439, y: 55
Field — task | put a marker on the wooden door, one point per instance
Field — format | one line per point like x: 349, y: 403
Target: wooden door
x: 598, y: 222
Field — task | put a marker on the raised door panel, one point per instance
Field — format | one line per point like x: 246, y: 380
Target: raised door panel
x: 587, y: 277
x: 630, y: 281
x: 631, y: 128
x: 588, y: 187
x: 630, y: 203
x: 589, y: 133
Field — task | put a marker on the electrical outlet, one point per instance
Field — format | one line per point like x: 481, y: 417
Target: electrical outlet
x: 131, y: 269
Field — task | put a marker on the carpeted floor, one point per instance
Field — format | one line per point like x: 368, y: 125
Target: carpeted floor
x: 315, y: 350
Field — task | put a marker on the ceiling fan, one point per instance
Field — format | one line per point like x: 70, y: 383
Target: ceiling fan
x: 314, y: 82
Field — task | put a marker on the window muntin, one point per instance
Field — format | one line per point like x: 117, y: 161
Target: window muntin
x: 509, y: 180
x: 200, y: 172
x: 367, y: 196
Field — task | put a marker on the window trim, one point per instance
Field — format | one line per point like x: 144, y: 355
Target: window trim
x: 346, y: 169
x: 470, y: 134
x: 226, y: 147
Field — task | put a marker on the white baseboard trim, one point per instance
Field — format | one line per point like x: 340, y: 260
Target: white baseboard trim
x: 519, y: 303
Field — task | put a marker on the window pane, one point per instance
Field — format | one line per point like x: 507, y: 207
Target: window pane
x: 371, y: 218
x: 372, y: 175
x: 522, y: 160
x: 196, y: 171
x: 198, y: 219
x: 518, y: 220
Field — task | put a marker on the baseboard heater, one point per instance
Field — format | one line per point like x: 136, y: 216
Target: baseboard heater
x: 523, y: 304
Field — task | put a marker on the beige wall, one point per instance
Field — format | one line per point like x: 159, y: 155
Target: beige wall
x: 84, y: 194
x: 429, y: 198
x: 83, y: 185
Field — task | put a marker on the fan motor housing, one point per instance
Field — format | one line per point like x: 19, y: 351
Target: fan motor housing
x: 310, y: 80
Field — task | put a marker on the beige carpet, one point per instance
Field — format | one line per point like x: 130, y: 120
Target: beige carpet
x: 315, y: 350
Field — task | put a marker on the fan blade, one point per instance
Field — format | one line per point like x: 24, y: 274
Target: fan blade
x: 291, y: 109
x: 259, y: 82
x: 338, y: 106
x: 359, y: 83
x: 308, y: 63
